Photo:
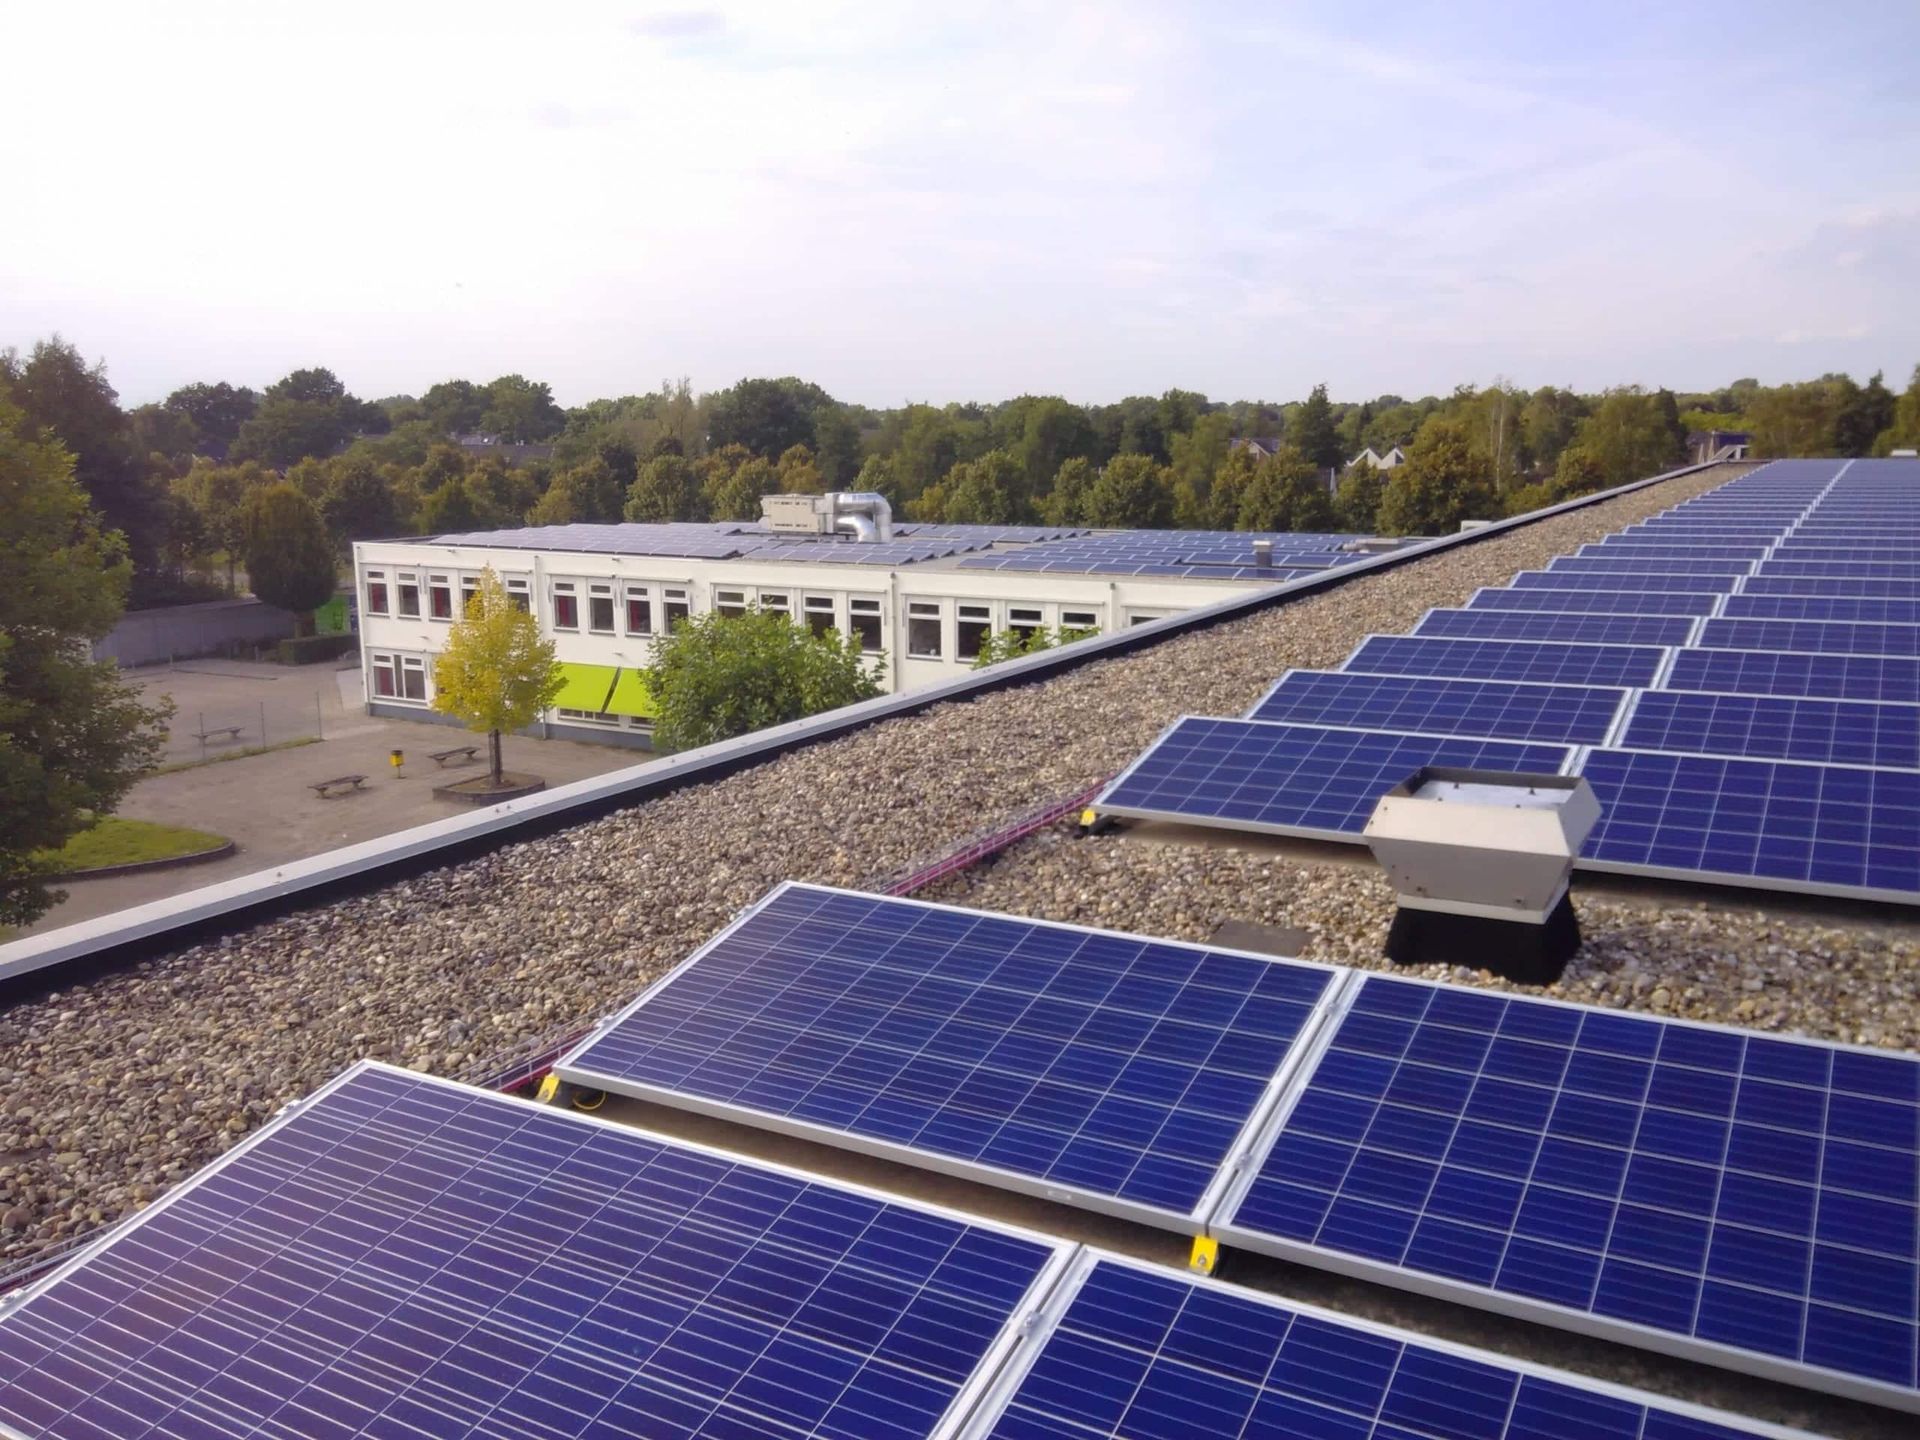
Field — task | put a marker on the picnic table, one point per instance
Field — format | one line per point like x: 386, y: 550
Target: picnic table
x: 325, y: 788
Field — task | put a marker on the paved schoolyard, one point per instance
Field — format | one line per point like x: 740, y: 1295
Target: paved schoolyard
x: 262, y: 802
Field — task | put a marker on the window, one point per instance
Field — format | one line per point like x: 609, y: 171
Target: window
x: 566, y: 606
x: 600, y: 609
x: 384, y: 670
x: 413, y: 677
x: 440, y: 597
x: 864, y: 617
x: 591, y: 717
x: 923, y: 630
x: 819, y: 612
x: 1079, y: 620
x: 677, y: 607
x: 1023, y: 621
x: 730, y: 602
x: 1143, y: 617
x: 469, y: 587
x: 976, y: 622
x: 639, y: 611
x: 376, y: 592
x: 520, y: 595
x: 776, y: 601
x: 409, y: 588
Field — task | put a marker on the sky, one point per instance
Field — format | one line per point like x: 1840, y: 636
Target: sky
x: 940, y: 202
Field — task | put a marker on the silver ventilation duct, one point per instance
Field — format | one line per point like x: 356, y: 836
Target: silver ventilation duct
x: 862, y: 514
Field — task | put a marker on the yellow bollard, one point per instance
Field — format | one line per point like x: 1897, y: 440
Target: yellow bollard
x: 397, y: 758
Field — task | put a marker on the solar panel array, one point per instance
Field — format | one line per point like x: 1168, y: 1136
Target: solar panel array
x: 405, y: 1256
x: 1039, y: 1055
x: 1772, y: 742
x: 1723, y: 1194
x: 1189, y: 554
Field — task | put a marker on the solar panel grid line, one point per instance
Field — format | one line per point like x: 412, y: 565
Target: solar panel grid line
x: 1396, y: 1076
x: 1566, y: 662
x: 1855, y: 734
x: 1781, y: 672
x: 420, y: 1337
x: 1123, y: 1197
x: 1124, y: 1347
x: 1596, y: 602
x: 1623, y: 718
x: 1525, y: 710
x: 1548, y: 625
x: 1824, y: 637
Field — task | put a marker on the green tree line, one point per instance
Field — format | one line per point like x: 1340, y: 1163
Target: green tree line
x: 179, y: 478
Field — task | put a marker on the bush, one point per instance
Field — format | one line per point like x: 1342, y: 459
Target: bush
x: 312, y: 649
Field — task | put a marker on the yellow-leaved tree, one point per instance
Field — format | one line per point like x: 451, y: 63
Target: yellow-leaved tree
x: 496, y: 672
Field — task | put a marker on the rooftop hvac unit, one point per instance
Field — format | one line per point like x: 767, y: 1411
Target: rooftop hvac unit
x: 1480, y: 860
x: 863, y: 515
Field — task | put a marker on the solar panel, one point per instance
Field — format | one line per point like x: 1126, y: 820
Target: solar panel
x: 1495, y: 709
x: 1774, y: 672
x: 1597, y: 602
x: 1790, y: 551
x: 1841, y: 569
x: 1292, y: 779
x: 1536, y: 625
x: 1554, y: 662
x: 1718, y: 1194
x: 1874, y: 609
x: 1130, y: 1349
x: 1615, y: 549
x: 405, y: 1256
x: 1829, y: 585
x: 667, y: 541
x: 1616, y: 580
x: 1819, y: 637
x: 851, y: 552
x: 1822, y: 732
x: 1822, y: 829
x: 1607, y: 565
x: 1112, y: 1070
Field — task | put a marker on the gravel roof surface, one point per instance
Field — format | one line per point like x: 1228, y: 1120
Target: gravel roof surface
x: 112, y: 1090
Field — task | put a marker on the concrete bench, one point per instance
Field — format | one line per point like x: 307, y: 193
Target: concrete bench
x: 468, y: 753
x: 232, y: 732
x: 325, y: 788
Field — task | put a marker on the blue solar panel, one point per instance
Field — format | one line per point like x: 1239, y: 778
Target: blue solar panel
x: 1139, y: 1351
x: 1293, y: 779
x: 1823, y: 732
x: 1598, y: 565
x: 1554, y: 662
x: 1043, y: 1056
x: 1617, y: 580
x: 1876, y: 610
x: 1790, y: 552
x: 1600, y: 629
x: 1719, y: 1194
x: 1597, y: 602
x: 1494, y: 709
x: 1841, y: 569
x: 1830, y: 585
x: 1824, y: 829
x: 1819, y: 637
x: 1614, y: 549
x: 1774, y: 672
x: 403, y: 1256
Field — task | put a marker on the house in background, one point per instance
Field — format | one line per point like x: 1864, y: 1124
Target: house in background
x: 1705, y: 445
x: 1392, y: 458
x: 1261, y: 447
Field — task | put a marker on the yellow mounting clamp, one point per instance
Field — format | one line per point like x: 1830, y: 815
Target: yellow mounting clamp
x: 1205, y: 1256
x: 1087, y: 818
x: 549, y: 1087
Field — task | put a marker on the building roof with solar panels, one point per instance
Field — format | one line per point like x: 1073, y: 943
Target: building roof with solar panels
x: 1469, y: 991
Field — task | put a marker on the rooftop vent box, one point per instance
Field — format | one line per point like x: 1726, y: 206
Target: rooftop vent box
x: 1480, y: 860
x: 797, y: 514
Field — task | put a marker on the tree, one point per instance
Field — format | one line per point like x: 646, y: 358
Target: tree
x: 454, y: 407
x: 716, y: 676
x: 495, y: 673
x: 74, y: 736
x: 1630, y: 435
x: 1313, y: 431
x: 1440, y: 485
x: 665, y: 490
x: 836, y: 443
x: 1547, y: 423
x: 798, y: 474
x: 70, y: 402
x: 1357, y: 505
x: 289, y: 558
x: 769, y: 417
x: 1066, y: 502
x: 1012, y: 644
x: 976, y: 492
x: 736, y: 493
x: 216, y: 412
x: 1904, y: 432
x: 308, y: 413
x: 1286, y: 493
x: 521, y: 411
x: 358, y: 503
x: 219, y: 495
x: 1130, y: 493
x: 1198, y: 455
x: 1864, y: 413
x: 450, y: 510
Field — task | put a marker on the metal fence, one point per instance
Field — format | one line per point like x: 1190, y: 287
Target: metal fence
x: 206, y: 732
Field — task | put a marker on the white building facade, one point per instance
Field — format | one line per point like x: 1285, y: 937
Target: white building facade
x: 925, y: 621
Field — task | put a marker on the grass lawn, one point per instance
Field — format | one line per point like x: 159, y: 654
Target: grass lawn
x: 115, y: 841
